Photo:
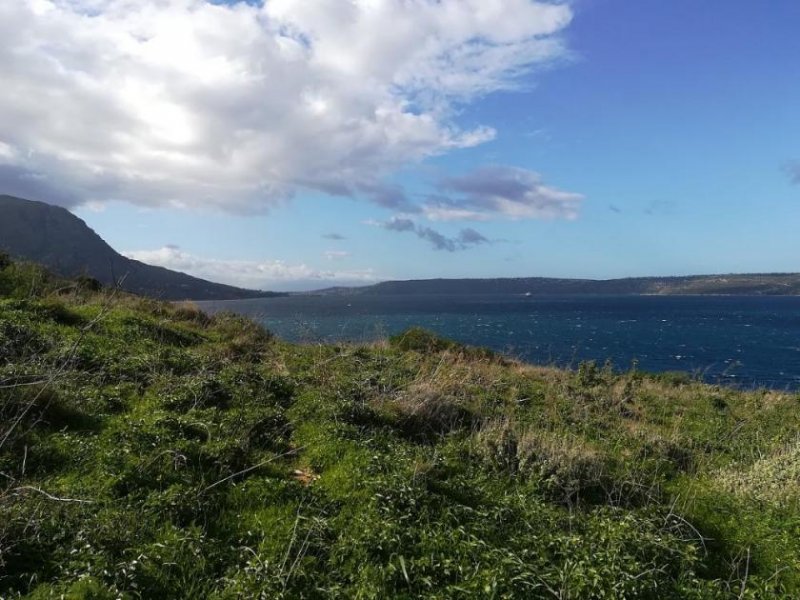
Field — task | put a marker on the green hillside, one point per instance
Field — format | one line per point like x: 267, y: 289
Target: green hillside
x: 148, y: 450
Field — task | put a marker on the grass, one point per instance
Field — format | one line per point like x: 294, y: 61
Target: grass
x: 148, y: 450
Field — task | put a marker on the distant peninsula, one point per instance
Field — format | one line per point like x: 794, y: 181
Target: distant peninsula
x: 755, y: 284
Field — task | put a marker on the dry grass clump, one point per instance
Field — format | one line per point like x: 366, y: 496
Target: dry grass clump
x: 243, y: 338
x: 571, y: 459
x: 428, y: 408
x: 570, y: 467
x: 774, y: 479
x: 189, y: 311
x: 452, y: 390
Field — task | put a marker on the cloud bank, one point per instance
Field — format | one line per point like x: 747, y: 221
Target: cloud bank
x: 238, y: 106
x: 274, y: 274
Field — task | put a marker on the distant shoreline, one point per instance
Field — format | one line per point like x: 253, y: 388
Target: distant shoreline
x: 747, y: 284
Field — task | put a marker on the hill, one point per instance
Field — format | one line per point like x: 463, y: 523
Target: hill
x: 54, y: 237
x: 778, y: 284
x: 148, y: 450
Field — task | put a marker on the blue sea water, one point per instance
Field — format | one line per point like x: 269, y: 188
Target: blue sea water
x: 745, y: 341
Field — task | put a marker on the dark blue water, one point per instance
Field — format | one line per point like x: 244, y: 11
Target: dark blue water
x: 743, y: 341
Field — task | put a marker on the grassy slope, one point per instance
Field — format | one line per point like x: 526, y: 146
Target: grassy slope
x: 149, y: 451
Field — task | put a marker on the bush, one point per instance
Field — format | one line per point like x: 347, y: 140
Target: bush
x: 86, y: 283
x: 420, y: 340
x: 25, y: 280
x: 676, y: 378
x: 189, y: 311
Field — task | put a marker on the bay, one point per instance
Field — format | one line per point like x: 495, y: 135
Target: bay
x: 745, y: 341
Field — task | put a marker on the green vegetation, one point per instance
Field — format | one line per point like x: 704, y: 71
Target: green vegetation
x: 148, y: 450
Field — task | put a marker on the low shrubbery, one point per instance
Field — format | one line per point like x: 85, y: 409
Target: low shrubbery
x: 149, y: 450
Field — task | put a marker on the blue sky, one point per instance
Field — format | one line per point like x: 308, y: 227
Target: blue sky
x: 595, y: 138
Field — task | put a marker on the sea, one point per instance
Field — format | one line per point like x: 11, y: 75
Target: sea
x: 741, y: 341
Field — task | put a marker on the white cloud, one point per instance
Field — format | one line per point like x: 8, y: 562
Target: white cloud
x: 191, y: 103
x: 269, y: 274
x: 7, y: 153
x: 335, y: 254
x: 447, y: 211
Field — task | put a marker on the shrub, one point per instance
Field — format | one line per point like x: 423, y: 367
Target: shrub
x: 85, y: 283
x: 189, y: 311
x: 242, y: 338
x: 675, y: 378
x: 420, y: 340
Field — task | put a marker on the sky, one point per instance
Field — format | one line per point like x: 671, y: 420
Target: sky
x: 298, y: 144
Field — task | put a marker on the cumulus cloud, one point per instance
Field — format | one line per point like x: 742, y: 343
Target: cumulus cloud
x: 245, y: 273
x: 239, y: 105
x: 465, y: 239
x: 500, y: 192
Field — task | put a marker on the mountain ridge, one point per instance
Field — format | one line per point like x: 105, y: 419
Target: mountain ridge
x: 53, y: 236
